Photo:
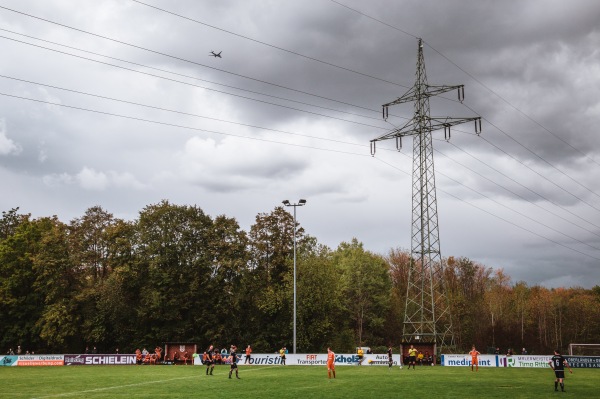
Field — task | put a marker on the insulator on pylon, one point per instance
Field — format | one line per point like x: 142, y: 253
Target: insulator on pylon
x: 385, y: 112
x: 372, y: 148
x: 461, y: 93
x: 399, y: 143
x: 477, y: 125
x: 447, y: 132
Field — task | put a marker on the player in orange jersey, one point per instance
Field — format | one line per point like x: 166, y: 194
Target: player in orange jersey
x: 330, y: 363
x: 474, y: 361
x: 248, y: 354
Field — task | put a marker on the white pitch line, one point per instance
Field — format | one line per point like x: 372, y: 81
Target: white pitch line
x: 113, y: 387
x: 58, y: 395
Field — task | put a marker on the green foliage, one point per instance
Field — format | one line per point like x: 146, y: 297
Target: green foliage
x: 365, y: 290
x: 176, y: 274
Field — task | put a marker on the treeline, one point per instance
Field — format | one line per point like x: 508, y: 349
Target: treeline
x: 176, y: 274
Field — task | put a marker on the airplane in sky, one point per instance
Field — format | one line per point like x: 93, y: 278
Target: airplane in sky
x: 213, y: 54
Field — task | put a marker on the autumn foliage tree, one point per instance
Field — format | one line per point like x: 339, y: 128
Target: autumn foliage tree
x: 177, y: 274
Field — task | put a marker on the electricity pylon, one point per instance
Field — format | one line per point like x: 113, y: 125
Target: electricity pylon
x: 427, y: 316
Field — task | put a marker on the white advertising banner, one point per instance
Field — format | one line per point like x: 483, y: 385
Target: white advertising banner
x: 41, y: 360
x: 528, y: 361
x: 465, y: 360
x: 315, y: 359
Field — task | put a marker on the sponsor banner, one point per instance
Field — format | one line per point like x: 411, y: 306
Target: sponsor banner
x: 465, y: 360
x: 528, y: 361
x: 581, y: 362
x: 9, y: 360
x: 317, y: 359
x: 380, y: 360
x: 40, y: 360
x: 95, y: 360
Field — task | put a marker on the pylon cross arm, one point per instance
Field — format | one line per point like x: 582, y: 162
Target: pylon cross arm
x: 413, y: 94
x: 408, y: 129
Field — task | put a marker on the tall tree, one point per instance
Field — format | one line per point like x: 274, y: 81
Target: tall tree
x: 20, y: 304
x: 366, y: 286
x: 320, y: 305
x: 269, y: 284
x: 399, y: 261
x: 90, y: 241
x: 57, y: 282
x: 173, y: 266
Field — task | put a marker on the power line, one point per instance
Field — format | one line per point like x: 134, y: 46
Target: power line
x: 493, y: 92
x: 282, y: 143
x: 523, y: 186
x: 375, y: 19
x: 514, y: 210
x: 192, y: 84
x: 213, y: 82
x: 514, y: 107
x: 177, y: 112
x: 546, y: 162
x: 268, y: 44
x: 209, y: 131
x: 182, y: 59
x: 172, y: 124
x: 499, y: 217
x: 313, y: 137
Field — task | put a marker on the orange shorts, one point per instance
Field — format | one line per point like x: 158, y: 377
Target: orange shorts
x: 330, y: 365
x: 474, y: 361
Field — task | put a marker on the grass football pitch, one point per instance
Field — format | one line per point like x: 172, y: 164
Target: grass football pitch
x: 291, y: 382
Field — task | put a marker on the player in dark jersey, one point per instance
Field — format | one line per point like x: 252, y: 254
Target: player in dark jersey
x: 390, y: 361
x: 210, y: 360
x: 234, y: 359
x: 558, y: 364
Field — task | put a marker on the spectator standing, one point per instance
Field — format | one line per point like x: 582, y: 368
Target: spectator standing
x: 523, y: 351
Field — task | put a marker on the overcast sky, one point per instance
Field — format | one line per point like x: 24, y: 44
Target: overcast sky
x: 117, y: 103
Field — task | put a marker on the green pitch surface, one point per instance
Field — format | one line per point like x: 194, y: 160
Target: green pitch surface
x: 291, y: 382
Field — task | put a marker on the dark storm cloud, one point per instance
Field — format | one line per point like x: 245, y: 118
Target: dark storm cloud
x: 530, y: 69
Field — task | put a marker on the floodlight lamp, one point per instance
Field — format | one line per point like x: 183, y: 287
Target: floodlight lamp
x: 286, y: 203
x: 302, y: 202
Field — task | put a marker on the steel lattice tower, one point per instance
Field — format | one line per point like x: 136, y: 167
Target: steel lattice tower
x: 427, y: 314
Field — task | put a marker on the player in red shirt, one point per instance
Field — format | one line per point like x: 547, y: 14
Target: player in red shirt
x: 330, y: 363
x: 474, y: 360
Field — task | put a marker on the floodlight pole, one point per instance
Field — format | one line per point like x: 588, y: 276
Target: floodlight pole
x: 302, y: 202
